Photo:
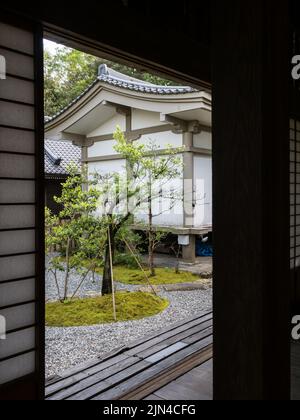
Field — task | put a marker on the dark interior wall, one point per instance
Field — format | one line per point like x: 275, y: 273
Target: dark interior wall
x: 295, y: 113
x: 137, y: 29
x: 251, y: 170
x: 53, y: 188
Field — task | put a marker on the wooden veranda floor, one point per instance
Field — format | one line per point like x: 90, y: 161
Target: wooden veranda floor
x: 157, y: 367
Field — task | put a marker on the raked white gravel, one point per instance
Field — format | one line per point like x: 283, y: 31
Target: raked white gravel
x: 69, y: 347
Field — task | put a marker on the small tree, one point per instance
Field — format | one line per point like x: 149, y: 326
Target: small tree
x: 176, y: 249
x: 159, y: 169
x: 76, y: 230
x: 122, y: 195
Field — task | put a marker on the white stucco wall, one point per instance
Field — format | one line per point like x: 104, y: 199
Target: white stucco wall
x: 143, y: 119
x: 203, y: 190
x: 165, y: 213
x: 110, y: 126
x: 163, y: 139
x: 102, y: 148
x: 203, y: 140
x: 108, y: 167
x: 105, y: 168
x: 202, y: 171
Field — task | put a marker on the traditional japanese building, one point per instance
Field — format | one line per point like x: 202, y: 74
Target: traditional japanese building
x: 176, y: 116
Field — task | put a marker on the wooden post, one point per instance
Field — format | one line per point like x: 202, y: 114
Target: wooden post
x: 251, y: 200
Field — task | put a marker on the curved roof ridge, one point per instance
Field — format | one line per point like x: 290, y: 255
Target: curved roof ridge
x: 104, y: 70
x: 114, y: 78
x: 110, y: 76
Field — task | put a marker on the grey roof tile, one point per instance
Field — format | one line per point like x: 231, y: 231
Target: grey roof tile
x: 114, y: 78
x: 59, y: 154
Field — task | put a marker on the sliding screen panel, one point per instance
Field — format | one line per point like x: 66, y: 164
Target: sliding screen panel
x: 295, y: 209
x: 21, y: 212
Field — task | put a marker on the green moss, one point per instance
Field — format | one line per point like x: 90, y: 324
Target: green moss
x: 135, y: 276
x: 163, y: 276
x: 93, y: 311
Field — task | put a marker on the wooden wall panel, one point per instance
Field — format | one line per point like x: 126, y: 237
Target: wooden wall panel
x: 21, y: 211
x: 251, y: 200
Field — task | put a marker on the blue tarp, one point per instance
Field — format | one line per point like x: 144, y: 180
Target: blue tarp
x: 203, y: 249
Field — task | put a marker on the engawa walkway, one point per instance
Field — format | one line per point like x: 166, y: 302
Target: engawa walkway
x: 137, y: 371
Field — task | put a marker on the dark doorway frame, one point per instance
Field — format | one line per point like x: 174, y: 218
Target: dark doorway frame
x: 260, y: 309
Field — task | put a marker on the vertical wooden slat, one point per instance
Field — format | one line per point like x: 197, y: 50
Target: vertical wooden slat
x: 40, y: 211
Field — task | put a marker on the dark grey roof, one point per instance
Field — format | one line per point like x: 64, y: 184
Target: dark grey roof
x: 114, y: 78
x: 59, y: 155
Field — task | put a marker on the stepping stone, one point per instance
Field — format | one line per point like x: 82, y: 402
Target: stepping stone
x: 185, y: 287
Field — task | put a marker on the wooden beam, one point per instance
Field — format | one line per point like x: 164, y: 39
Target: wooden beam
x: 251, y: 200
x: 171, y: 49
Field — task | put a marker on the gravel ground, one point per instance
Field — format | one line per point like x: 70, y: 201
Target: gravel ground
x: 68, y: 347
x: 90, y: 286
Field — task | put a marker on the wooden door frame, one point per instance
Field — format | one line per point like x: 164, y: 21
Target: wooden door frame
x: 257, y: 382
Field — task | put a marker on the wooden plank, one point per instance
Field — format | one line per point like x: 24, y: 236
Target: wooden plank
x: 153, y: 397
x: 124, y: 375
x: 166, y: 378
x: 168, y: 334
x: 199, y: 372
x: 187, y: 392
x: 199, y: 336
x: 187, y: 323
x: 178, y: 337
x: 115, y: 378
x: 77, y: 374
x: 112, y: 381
x: 156, y: 371
x: 189, y: 340
x: 89, y: 380
x: 166, y: 352
x: 190, y: 332
x: 57, y: 386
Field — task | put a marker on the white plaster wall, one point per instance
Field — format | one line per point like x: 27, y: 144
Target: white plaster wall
x: 105, y: 168
x: 110, y: 126
x: 203, y: 140
x: 203, y: 190
x: 102, y: 148
x: 143, y: 119
x: 165, y: 213
x: 163, y: 140
x: 108, y: 167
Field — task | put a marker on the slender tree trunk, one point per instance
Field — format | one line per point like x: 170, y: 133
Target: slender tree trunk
x: 67, y: 269
x: 107, y: 280
x: 177, y: 271
x: 151, y: 235
x: 151, y: 255
x: 94, y: 273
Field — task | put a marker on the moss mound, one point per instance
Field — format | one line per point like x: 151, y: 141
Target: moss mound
x: 93, y: 311
x: 163, y: 276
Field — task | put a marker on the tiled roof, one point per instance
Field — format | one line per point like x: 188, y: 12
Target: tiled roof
x: 114, y: 78
x: 59, y: 155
